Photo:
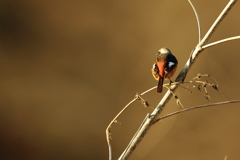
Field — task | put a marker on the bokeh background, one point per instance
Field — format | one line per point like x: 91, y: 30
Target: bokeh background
x: 68, y: 67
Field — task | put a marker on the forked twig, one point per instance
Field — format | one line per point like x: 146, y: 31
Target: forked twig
x: 207, y: 84
x: 222, y: 15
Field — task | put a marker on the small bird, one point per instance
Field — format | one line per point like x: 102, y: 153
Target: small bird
x: 164, y: 66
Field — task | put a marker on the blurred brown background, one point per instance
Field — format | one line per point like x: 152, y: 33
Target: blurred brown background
x: 68, y: 67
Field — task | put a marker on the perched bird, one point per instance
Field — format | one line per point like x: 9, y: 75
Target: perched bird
x: 164, y: 66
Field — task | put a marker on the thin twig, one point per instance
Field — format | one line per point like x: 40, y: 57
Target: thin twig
x: 148, y: 90
x: 175, y: 97
x: 108, y: 132
x: 196, y: 107
x: 198, y: 21
x: 221, y: 41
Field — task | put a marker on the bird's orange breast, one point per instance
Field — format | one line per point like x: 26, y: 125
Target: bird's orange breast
x: 161, y: 66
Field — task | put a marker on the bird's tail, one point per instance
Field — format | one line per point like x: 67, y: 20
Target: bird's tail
x: 160, y: 85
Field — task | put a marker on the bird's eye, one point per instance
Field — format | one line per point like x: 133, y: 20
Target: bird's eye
x: 157, y: 53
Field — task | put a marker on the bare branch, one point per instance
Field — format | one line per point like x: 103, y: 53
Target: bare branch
x: 217, y: 22
x: 148, y: 90
x: 196, y: 107
x: 108, y: 132
x: 221, y: 41
x: 198, y: 21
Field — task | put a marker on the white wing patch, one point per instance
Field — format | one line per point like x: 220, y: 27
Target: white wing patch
x: 170, y: 64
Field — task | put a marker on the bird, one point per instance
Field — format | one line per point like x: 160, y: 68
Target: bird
x: 164, y: 66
